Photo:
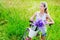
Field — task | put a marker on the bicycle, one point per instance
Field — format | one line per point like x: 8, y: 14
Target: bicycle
x: 30, y: 30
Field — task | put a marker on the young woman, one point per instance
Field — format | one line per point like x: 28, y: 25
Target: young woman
x: 42, y: 14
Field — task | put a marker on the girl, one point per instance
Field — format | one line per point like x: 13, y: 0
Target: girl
x: 42, y: 14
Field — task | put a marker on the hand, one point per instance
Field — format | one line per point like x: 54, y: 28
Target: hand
x: 50, y: 24
x: 31, y: 21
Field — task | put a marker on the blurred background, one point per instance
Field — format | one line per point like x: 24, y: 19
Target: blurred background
x: 15, y: 15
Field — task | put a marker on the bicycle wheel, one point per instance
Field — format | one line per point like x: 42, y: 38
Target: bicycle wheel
x: 25, y: 34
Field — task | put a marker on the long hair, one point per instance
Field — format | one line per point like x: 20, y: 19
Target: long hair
x: 46, y: 9
x: 45, y: 6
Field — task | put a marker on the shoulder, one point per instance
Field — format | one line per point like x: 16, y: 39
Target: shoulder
x: 37, y: 12
x: 48, y: 15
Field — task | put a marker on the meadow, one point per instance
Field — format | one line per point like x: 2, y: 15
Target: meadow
x: 15, y: 16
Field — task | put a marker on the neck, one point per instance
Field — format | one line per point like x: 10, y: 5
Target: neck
x: 42, y: 12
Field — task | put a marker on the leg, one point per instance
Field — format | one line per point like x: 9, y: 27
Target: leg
x: 42, y: 37
x: 28, y: 38
x: 43, y: 31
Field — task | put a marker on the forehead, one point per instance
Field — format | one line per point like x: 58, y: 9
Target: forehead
x: 41, y: 4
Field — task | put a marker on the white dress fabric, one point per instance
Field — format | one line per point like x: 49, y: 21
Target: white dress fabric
x: 43, y: 30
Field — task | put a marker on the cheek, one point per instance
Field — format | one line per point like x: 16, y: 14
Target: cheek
x: 42, y: 8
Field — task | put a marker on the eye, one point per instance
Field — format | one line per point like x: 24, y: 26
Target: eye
x: 40, y: 6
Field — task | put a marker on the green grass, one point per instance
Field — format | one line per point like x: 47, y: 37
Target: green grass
x: 18, y: 12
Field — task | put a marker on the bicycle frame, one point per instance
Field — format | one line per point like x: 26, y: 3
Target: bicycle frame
x: 30, y: 30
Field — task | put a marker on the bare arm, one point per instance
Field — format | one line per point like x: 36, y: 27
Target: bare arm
x: 32, y: 18
x: 50, y: 19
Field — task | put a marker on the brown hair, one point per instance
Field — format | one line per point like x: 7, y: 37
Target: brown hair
x: 45, y: 5
x: 45, y: 10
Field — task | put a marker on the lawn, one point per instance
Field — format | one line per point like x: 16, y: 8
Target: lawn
x: 15, y: 15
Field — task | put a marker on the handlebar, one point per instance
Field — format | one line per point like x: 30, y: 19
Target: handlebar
x: 32, y: 22
x: 50, y: 25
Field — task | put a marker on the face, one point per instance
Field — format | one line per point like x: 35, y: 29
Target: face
x: 41, y: 7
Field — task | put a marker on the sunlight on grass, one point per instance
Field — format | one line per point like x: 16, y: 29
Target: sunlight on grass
x: 18, y: 12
